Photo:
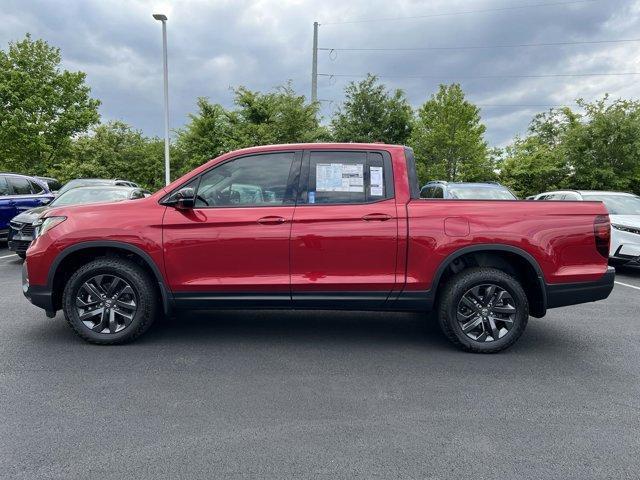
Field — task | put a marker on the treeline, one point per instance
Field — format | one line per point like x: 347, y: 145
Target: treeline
x: 49, y: 125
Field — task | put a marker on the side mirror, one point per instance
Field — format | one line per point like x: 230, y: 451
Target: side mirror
x: 185, y: 198
x: 46, y: 201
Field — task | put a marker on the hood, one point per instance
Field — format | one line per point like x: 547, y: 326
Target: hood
x: 626, y: 220
x: 30, y: 216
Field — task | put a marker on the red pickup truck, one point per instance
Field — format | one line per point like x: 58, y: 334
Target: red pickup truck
x: 317, y: 226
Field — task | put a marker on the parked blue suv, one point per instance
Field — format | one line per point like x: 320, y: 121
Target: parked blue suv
x: 17, y: 194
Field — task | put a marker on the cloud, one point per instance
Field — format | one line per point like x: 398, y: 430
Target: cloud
x: 215, y: 45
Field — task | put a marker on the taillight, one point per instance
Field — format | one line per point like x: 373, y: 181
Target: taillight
x: 602, y: 232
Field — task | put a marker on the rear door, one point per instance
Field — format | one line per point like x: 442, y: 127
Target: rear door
x: 25, y: 196
x: 7, y: 206
x: 344, y: 236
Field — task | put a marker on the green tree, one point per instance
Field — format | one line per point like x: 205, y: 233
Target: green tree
x: 532, y: 166
x: 448, y: 139
x: 597, y: 149
x: 207, y: 135
x: 42, y: 106
x: 370, y: 113
x: 538, y: 162
x: 115, y: 150
x: 276, y: 117
x: 273, y: 118
x: 603, y: 148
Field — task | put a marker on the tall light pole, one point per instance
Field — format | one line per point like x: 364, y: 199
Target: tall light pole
x: 314, y: 64
x: 167, y: 172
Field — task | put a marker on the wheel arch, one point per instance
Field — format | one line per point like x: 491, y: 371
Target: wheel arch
x: 79, y: 253
x: 508, y: 258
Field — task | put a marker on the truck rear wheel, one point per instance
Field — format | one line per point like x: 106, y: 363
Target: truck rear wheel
x: 110, y: 300
x: 483, y: 310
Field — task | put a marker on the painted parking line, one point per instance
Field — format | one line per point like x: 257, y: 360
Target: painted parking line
x: 627, y: 285
x: 7, y: 256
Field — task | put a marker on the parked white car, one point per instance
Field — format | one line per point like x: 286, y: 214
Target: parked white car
x: 624, y: 211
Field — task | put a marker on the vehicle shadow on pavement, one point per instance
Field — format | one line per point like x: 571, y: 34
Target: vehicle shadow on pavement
x: 324, y: 328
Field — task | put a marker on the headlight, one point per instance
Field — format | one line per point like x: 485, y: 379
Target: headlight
x: 626, y: 229
x: 45, y: 224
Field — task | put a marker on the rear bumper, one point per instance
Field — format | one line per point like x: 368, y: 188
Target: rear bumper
x: 40, y: 295
x: 563, y: 294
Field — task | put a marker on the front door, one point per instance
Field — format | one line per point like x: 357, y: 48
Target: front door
x: 234, y: 245
x: 344, y: 237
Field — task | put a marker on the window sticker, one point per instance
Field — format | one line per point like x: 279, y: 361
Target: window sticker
x: 377, y: 181
x: 339, y: 177
x: 312, y: 197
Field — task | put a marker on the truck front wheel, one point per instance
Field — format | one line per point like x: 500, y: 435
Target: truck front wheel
x: 483, y: 310
x: 110, y: 300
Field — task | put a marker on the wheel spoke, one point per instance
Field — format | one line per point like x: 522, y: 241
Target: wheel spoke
x: 127, y: 290
x: 86, y: 303
x: 467, y: 302
x: 127, y: 316
x: 471, y: 324
x: 495, y: 331
x: 104, y: 319
x: 93, y: 291
x: 488, y: 294
x: 113, y: 324
x: 91, y: 314
x: 128, y: 305
x: 113, y: 287
x: 482, y: 337
x: 506, y: 309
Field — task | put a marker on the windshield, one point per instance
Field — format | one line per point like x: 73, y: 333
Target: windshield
x: 481, y: 193
x: 82, y: 183
x: 617, y: 204
x: 90, y: 195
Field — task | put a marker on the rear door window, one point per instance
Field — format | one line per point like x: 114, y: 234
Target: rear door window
x: 348, y: 177
x: 4, y: 187
x: 36, y: 187
x: 21, y: 186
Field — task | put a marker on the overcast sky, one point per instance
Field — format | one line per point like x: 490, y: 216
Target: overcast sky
x: 218, y: 44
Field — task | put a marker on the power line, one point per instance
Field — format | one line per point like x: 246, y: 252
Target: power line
x: 524, y: 105
x: 479, y: 47
x: 469, y: 77
x: 464, y: 12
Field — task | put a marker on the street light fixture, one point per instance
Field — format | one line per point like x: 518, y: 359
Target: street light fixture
x: 163, y: 18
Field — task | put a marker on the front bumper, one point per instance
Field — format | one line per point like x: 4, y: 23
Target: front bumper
x: 564, y: 294
x: 19, y: 240
x: 40, y: 295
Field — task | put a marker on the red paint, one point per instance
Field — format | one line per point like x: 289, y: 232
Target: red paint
x: 385, y: 246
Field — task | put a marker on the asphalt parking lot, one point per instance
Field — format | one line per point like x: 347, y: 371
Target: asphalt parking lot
x: 320, y: 395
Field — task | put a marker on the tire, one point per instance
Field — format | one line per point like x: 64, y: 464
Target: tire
x: 22, y: 255
x: 140, y: 301
x: 455, y: 310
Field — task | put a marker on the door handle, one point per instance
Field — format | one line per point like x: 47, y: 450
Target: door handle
x: 272, y: 220
x: 376, y: 217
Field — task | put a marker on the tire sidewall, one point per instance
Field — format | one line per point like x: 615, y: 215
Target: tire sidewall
x: 480, y: 277
x: 127, y: 272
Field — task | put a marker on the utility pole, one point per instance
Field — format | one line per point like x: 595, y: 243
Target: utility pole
x: 167, y: 172
x: 314, y: 65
